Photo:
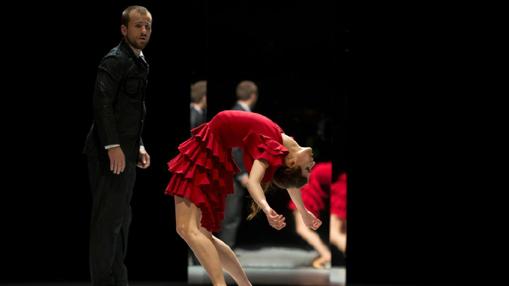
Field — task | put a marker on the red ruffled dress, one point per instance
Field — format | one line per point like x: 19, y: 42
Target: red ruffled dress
x: 315, y: 193
x: 338, y: 197
x: 203, y: 170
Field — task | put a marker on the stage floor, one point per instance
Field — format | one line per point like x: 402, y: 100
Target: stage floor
x: 268, y: 266
x: 277, y: 266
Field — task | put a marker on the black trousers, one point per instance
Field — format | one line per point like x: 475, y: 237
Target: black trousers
x: 110, y: 221
x: 232, y: 215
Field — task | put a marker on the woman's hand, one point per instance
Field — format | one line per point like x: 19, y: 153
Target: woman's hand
x: 310, y: 220
x: 276, y: 220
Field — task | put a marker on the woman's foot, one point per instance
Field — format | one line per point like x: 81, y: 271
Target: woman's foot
x: 320, y: 262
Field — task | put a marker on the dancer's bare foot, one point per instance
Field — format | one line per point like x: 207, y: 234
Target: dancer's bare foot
x: 320, y: 262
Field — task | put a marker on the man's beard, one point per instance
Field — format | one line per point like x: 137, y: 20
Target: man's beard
x: 135, y: 44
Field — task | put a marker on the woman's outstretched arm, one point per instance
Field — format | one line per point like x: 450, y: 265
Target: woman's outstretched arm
x: 308, y: 217
x: 255, y: 190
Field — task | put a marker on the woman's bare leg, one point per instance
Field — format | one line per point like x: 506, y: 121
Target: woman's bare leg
x: 230, y: 261
x: 188, y: 216
x: 337, y: 235
x: 314, y: 240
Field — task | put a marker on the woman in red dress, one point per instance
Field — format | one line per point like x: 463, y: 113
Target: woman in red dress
x: 314, y: 195
x: 338, y: 212
x: 203, y: 176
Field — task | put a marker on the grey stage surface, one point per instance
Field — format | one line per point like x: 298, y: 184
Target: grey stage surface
x: 277, y: 266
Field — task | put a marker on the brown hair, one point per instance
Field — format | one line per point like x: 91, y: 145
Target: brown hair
x: 125, y: 14
x: 198, y: 90
x: 284, y: 178
x: 245, y: 89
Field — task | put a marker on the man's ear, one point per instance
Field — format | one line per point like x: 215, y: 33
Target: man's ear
x: 123, y: 30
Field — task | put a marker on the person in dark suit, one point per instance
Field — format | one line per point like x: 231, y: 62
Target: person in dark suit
x: 198, y: 103
x: 114, y: 146
x: 247, y: 95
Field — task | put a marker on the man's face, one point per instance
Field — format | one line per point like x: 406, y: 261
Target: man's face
x: 138, y: 30
x: 253, y: 97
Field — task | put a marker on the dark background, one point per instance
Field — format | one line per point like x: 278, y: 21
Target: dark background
x: 291, y: 50
x: 419, y: 151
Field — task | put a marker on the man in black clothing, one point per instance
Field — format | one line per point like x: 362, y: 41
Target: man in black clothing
x: 198, y: 109
x: 114, y: 147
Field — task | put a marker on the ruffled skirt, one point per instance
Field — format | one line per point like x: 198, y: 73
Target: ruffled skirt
x: 203, y: 172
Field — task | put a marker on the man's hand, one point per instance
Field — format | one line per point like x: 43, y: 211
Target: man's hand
x: 117, y: 160
x: 244, y: 180
x: 143, y: 158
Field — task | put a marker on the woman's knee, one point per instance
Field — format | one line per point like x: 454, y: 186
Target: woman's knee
x: 187, y: 230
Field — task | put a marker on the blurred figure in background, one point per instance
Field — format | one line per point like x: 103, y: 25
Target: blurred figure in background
x: 247, y: 95
x: 198, y: 103
x: 314, y: 196
x: 338, y: 213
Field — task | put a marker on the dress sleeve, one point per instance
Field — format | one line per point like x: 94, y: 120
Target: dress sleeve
x: 262, y: 147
